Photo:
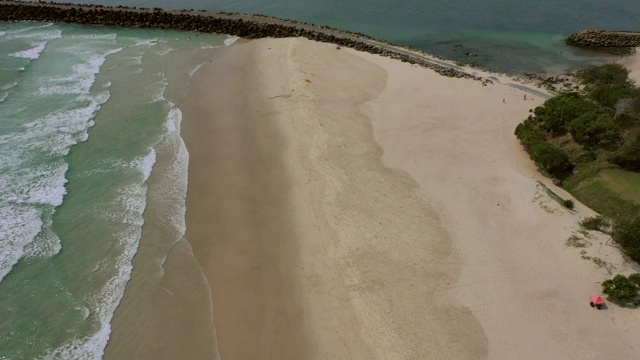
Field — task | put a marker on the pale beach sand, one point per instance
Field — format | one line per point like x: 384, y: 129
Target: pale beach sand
x: 633, y: 64
x: 349, y: 206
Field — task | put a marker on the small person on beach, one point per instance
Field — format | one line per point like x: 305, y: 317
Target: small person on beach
x: 525, y: 97
x: 504, y: 101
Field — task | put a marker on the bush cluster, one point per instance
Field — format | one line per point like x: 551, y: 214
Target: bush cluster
x: 604, y: 117
x: 597, y: 223
x: 626, y: 232
x: 597, y: 128
x: 622, y: 289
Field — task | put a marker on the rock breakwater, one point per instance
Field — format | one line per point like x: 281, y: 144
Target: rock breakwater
x: 598, y: 38
x: 245, y: 26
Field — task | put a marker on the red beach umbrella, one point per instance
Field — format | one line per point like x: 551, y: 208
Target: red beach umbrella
x: 597, y: 301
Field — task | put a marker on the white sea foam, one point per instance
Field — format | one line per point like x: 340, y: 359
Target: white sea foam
x: 82, y: 79
x: 82, y: 349
x: 230, y: 40
x: 112, y: 36
x: 144, y: 42
x: 3, y: 96
x: 19, y: 225
x: 8, y: 86
x: 158, y: 89
x: 58, y: 131
x: 174, y: 183
x: 196, y: 69
x: 27, y: 33
x: 174, y: 119
x: 135, y: 59
x: 107, y: 85
x: 165, y: 51
x: 43, y: 185
x: 33, y: 53
x: 176, y: 187
x: 102, y: 97
x: 145, y: 164
x: 44, y: 245
x: 132, y: 203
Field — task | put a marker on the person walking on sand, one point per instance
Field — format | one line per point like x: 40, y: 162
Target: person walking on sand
x: 525, y: 97
x: 503, y: 101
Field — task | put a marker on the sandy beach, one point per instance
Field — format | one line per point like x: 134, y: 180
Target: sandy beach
x: 345, y: 205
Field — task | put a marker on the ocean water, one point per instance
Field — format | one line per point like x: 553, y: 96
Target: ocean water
x: 89, y: 138
x: 511, y: 36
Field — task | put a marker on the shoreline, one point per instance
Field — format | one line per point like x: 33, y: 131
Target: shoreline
x: 347, y: 204
x: 238, y: 215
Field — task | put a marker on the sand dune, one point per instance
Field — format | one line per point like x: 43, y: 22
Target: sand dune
x: 349, y: 206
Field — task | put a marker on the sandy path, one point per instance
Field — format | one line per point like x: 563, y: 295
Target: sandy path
x: 633, y: 64
x: 348, y: 206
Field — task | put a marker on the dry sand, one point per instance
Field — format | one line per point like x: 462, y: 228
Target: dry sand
x: 348, y: 206
x: 633, y: 64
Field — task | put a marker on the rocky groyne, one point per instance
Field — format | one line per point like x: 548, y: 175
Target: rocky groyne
x: 245, y: 26
x: 598, y: 38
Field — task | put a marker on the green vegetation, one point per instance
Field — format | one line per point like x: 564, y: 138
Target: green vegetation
x: 577, y: 242
x: 590, y: 142
x: 626, y: 232
x: 622, y: 289
x: 597, y: 223
x: 568, y: 203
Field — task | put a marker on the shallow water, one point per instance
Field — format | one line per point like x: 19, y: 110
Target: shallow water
x: 92, y: 162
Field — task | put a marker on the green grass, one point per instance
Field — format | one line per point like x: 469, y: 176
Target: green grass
x: 583, y: 173
x: 596, y: 194
x: 625, y: 183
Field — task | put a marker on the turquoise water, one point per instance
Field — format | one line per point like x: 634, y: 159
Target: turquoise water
x: 512, y: 36
x: 88, y: 116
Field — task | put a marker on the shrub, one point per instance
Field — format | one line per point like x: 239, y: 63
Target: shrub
x: 626, y: 232
x: 594, y: 128
x: 529, y: 135
x: 550, y: 157
x: 597, y: 223
x: 628, y: 156
x: 568, y: 203
x: 609, y: 94
x: 593, y: 76
x: 621, y: 288
x: 558, y: 111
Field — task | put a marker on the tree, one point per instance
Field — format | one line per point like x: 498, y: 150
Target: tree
x: 594, y: 128
x: 558, y: 111
x: 528, y: 134
x: 628, y: 156
x: 626, y: 232
x: 550, y: 157
x: 621, y: 288
x: 609, y: 94
x: 593, y: 76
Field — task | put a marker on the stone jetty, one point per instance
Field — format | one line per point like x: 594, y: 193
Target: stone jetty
x: 599, y: 38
